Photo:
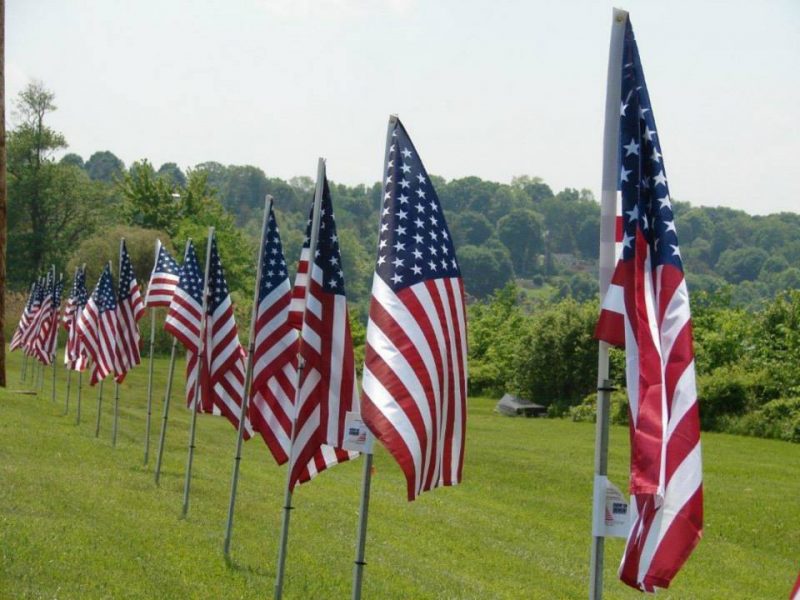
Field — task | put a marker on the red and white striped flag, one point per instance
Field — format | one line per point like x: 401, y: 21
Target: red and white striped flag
x: 163, y: 279
x: 414, y: 392
x: 41, y: 312
x: 272, y: 391
x: 795, y: 594
x: 223, y: 358
x: 97, y: 325
x: 25, y: 318
x: 130, y: 309
x: 75, y: 357
x: 44, y: 344
x: 646, y: 310
x: 327, y: 386
x: 183, y: 319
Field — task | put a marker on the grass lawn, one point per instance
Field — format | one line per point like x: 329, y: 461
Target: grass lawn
x: 80, y: 519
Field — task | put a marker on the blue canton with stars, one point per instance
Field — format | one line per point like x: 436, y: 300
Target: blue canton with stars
x: 217, y: 286
x: 191, y: 280
x: 166, y: 264
x: 103, y: 295
x: 79, y: 294
x: 414, y: 241
x: 273, y: 264
x: 125, y: 275
x: 646, y: 204
x: 327, y: 256
x: 58, y: 290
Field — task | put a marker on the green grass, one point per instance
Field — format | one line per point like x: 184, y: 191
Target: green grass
x: 80, y: 519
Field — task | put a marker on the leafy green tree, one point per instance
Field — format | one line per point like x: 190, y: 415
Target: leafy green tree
x: 470, y: 227
x: 172, y: 173
x: 73, y: 160
x: 521, y: 232
x: 104, y: 166
x: 484, y: 269
x: 741, y: 264
x: 149, y: 201
x: 534, y: 188
x: 52, y: 206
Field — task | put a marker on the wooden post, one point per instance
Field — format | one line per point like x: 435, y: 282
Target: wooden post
x: 3, y: 198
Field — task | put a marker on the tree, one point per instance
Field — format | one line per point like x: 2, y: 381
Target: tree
x: 52, y: 206
x: 484, y: 269
x: 470, y: 227
x: 742, y: 264
x: 533, y: 187
x: 148, y: 199
x: 72, y: 159
x: 521, y: 232
x: 172, y: 173
x: 104, y: 166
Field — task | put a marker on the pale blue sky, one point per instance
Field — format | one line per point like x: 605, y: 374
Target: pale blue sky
x: 493, y: 89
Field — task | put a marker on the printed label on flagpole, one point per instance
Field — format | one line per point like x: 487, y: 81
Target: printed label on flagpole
x: 613, y: 517
x: 357, y: 436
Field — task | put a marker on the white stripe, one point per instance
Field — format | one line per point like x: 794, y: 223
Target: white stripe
x: 336, y: 368
x: 683, y: 398
x: 684, y: 483
x: 675, y: 318
x: 615, y: 299
x: 386, y: 403
x: 275, y: 350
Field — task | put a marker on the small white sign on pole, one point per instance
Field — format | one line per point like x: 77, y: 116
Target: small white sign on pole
x: 614, y: 518
x: 357, y: 436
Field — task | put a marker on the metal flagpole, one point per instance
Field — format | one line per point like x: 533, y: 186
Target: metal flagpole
x: 150, y: 379
x: 55, y: 344
x: 149, y: 387
x: 608, y: 215
x: 24, y: 370
x: 168, y: 394
x: 99, y: 409
x: 116, y: 357
x: 247, y: 381
x: 287, y: 501
x: 69, y: 385
x: 116, y: 416
x: 363, y: 511
x: 366, y: 479
x: 78, y: 404
x: 196, y: 399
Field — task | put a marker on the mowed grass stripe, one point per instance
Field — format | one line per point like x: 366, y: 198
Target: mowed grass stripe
x: 80, y: 519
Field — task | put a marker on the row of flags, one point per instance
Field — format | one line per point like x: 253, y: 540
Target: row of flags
x: 414, y: 387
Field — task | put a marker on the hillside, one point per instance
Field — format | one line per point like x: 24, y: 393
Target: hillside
x: 79, y: 519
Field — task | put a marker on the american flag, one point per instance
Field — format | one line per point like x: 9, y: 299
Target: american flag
x: 31, y: 334
x: 795, y: 594
x: 222, y: 377
x: 183, y: 318
x: 25, y: 318
x: 275, y: 354
x: 415, y: 374
x: 163, y: 279
x: 44, y: 344
x: 327, y: 386
x: 75, y: 357
x: 97, y: 325
x: 646, y: 310
x: 130, y: 309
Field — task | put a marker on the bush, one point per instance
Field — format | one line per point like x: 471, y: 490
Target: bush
x: 778, y: 419
x: 726, y: 391
x: 587, y: 410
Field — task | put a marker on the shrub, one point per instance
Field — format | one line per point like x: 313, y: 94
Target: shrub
x: 778, y: 419
x: 587, y: 410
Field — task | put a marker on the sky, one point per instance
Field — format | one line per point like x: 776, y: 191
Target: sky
x: 492, y: 89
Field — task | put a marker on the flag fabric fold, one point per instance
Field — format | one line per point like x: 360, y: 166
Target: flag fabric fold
x: 272, y: 391
x: 25, y: 318
x: 646, y: 310
x: 327, y: 388
x: 97, y: 326
x: 38, y: 316
x: 44, y: 344
x: 75, y: 357
x: 414, y: 389
x: 130, y: 309
x: 163, y: 279
x: 183, y: 319
x: 223, y: 357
